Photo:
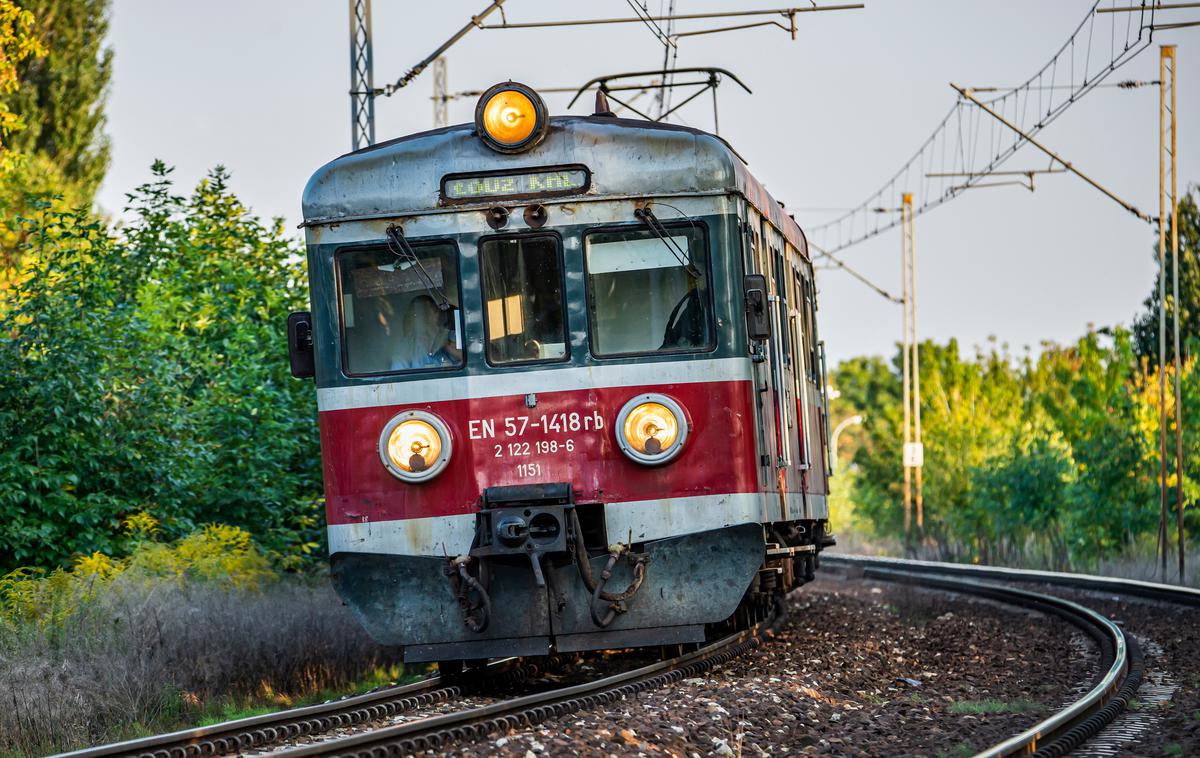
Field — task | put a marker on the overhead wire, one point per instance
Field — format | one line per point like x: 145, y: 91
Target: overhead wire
x: 963, y: 144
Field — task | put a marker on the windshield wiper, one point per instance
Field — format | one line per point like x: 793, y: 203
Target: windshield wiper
x: 399, y: 246
x: 646, y: 216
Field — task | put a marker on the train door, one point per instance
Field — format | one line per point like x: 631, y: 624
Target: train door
x: 800, y: 405
x: 783, y: 360
x: 813, y: 383
x: 764, y: 363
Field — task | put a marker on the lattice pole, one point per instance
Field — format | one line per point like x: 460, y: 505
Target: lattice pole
x: 441, y: 97
x: 362, y: 76
x: 1163, y: 160
x: 918, y: 457
x: 1169, y: 146
x: 906, y: 366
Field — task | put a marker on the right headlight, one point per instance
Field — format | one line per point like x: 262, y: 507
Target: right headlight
x: 651, y: 429
x: 415, y: 446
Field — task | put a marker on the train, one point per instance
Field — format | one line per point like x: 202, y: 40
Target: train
x: 570, y: 389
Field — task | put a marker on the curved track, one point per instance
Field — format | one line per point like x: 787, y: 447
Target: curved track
x: 1121, y: 669
x: 1120, y: 672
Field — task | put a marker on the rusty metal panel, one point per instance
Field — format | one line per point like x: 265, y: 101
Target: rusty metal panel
x: 404, y: 176
x: 406, y: 600
x: 695, y: 579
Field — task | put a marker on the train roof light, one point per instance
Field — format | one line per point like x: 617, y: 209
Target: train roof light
x: 511, y: 118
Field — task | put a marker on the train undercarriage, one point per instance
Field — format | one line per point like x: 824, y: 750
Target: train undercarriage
x: 540, y: 579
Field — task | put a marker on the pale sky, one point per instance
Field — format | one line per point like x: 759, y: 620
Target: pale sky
x: 260, y: 86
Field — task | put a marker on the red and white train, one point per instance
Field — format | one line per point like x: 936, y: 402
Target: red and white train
x: 570, y: 386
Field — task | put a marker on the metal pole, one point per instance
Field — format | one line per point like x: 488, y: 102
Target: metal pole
x: 916, y: 363
x: 1168, y: 52
x: 907, y: 368
x: 788, y: 12
x: 362, y: 77
x: 837, y: 431
x: 441, y: 100
x: 416, y: 70
x: 1162, y: 314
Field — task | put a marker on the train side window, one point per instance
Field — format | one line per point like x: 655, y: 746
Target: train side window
x: 399, y: 315
x: 641, y: 296
x: 523, y: 299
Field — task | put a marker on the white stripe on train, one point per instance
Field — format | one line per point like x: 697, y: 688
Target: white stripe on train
x: 643, y: 519
x: 525, y: 382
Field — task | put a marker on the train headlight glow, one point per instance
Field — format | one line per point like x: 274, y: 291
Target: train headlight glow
x: 415, y: 446
x: 651, y: 429
x: 511, y: 118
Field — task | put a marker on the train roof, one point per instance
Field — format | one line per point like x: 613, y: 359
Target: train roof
x: 367, y: 183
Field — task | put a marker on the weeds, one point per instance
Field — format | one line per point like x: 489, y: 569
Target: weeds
x: 112, y: 649
x: 978, y: 707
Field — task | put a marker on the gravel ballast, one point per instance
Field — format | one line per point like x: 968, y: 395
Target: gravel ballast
x: 858, y: 669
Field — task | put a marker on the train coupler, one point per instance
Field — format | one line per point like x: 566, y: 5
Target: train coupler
x: 530, y: 520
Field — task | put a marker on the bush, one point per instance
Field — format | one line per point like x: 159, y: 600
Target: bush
x: 113, y: 648
x: 145, y: 369
x: 1051, y: 460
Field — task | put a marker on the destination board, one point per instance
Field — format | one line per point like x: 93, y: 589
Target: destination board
x: 526, y: 183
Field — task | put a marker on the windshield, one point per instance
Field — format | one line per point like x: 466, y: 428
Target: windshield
x: 641, y: 297
x: 522, y: 294
x: 391, y: 320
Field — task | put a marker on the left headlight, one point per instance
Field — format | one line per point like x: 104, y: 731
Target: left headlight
x: 415, y: 446
x: 651, y: 429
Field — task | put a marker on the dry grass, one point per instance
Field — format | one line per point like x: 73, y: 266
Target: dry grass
x: 146, y: 655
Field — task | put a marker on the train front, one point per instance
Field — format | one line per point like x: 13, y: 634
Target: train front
x: 536, y: 412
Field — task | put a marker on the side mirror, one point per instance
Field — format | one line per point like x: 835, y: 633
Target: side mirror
x: 300, y: 344
x: 758, y: 322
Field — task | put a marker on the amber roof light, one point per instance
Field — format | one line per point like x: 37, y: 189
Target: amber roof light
x: 511, y: 118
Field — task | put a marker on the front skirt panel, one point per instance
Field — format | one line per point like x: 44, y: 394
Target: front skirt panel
x: 690, y: 581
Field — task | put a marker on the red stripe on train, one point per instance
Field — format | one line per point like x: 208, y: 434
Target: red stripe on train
x: 499, y: 441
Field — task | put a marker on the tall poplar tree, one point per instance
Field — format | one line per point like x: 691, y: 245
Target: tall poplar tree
x: 60, y: 95
x: 59, y: 150
x: 1145, y: 327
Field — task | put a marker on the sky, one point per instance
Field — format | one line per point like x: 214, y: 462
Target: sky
x: 260, y: 87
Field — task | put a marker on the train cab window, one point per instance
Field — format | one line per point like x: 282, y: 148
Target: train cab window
x: 397, y: 314
x: 523, y: 299
x: 642, y: 297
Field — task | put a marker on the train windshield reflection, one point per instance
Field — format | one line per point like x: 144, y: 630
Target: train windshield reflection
x: 641, y: 298
x: 390, y: 321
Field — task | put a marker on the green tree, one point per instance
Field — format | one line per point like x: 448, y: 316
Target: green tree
x: 18, y: 42
x: 57, y: 93
x: 1145, y: 326
x: 61, y: 94
x: 145, y: 370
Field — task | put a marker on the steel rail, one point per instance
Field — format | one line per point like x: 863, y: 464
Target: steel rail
x: 1151, y: 590
x: 437, y: 732
x: 1110, y: 695
x: 242, y: 734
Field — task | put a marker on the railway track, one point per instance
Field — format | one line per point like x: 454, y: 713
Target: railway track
x: 1121, y: 657
x: 278, y: 733
x: 257, y: 732
x: 263, y: 734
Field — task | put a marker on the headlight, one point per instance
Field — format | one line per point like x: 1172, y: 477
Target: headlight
x: 511, y: 118
x: 651, y: 429
x: 415, y: 446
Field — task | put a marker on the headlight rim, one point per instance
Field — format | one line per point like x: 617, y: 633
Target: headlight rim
x: 541, y: 115
x: 672, y: 452
x: 437, y: 467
